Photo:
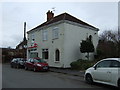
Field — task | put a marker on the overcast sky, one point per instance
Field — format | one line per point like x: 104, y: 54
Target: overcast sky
x: 103, y: 15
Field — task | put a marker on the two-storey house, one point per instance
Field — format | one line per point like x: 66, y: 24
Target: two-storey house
x: 58, y: 39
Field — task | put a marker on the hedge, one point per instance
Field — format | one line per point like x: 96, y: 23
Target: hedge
x: 81, y: 64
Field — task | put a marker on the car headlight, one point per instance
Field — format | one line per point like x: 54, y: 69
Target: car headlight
x: 39, y: 65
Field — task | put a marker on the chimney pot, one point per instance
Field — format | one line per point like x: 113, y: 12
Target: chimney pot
x: 50, y: 15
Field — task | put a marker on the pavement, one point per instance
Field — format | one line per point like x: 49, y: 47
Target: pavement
x: 68, y: 71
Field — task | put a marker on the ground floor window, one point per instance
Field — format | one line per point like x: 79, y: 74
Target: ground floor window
x: 45, y: 53
x: 57, y: 55
x: 33, y: 54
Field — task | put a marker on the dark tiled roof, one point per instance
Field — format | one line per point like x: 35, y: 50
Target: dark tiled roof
x: 21, y: 44
x: 64, y: 16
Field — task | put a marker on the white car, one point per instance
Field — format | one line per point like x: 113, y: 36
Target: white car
x: 106, y: 71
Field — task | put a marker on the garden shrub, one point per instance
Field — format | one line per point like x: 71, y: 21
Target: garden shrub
x: 81, y: 64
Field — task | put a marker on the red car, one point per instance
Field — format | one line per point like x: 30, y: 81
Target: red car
x: 36, y: 64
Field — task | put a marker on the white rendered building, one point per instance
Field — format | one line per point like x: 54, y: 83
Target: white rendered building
x: 58, y: 40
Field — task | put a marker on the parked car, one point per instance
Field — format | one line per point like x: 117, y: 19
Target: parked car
x: 18, y: 63
x: 106, y: 71
x: 36, y: 64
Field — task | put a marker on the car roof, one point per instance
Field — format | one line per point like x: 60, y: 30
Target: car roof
x: 35, y: 58
x: 118, y: 59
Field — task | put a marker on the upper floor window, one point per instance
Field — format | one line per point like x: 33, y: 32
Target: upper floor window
x: 33, y: 37
x: 90, y: 38
x: 55, y: 33
x: 44, y: 35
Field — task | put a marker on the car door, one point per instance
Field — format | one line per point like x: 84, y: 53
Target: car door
x: 115, y: 67
x: 28, y: 63
x: 31, y: 64
x: 15, y: 62
x: 102, y: 71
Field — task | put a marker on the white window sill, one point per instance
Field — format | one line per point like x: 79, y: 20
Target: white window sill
x: 55, y: 38
x: 56, y: 61
x: 44, y: 40
x: 45, y: 60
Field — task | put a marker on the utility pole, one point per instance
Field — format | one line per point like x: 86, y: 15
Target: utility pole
x: 24, y: 31
x: 24, y: 40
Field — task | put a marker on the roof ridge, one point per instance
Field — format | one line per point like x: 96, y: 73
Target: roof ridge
x: 81, y: 20
x: 64, y: 16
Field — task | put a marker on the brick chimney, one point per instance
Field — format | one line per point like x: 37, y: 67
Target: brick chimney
x: 50, y: 15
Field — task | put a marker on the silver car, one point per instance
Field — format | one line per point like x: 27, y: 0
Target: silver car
x: 106, y: 71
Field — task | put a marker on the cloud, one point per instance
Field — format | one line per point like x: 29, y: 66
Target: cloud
x: 102, y: 15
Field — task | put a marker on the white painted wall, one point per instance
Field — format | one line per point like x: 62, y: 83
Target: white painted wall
x: 50, y: 44
x: 73, y: 35
x: 68, y: 43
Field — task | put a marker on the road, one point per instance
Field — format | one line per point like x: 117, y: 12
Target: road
x: 20, y: 78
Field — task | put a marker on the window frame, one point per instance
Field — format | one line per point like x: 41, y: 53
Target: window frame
x: 57, y: 55
x: 33, y: 37
x: 55, y: 33
x: 44, y: 35
x: 45, y: 53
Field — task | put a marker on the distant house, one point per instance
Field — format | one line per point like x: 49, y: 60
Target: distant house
x: 22, y: 45
x: 7, y: 54
x: 58, y: 39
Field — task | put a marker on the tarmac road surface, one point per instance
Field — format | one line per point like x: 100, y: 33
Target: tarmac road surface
x: 20, y: 78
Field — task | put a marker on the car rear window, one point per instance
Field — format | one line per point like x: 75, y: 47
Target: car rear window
x: 115, y: 63
x: 104, y: 64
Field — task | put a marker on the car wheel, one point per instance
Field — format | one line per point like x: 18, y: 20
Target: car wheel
x: 11, y: 66
x: 89, y: 79
x: 26, y: 68
x: 17, y: 66
x: 119, y: 83
x: 34, y: 69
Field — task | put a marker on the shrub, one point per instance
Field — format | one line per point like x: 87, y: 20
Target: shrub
x: 81, y: 64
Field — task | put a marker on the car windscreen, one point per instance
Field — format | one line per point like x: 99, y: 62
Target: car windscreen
x: 39, y: 61
x: 21, y: 59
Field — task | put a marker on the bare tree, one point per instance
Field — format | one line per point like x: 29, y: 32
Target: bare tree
x: 109, y: 43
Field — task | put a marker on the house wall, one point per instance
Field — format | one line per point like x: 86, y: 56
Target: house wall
x: 53, y: 44
x: 74, y: 34
x: 50, y: 44
x: 30, y: 42
x: 68, y: 43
